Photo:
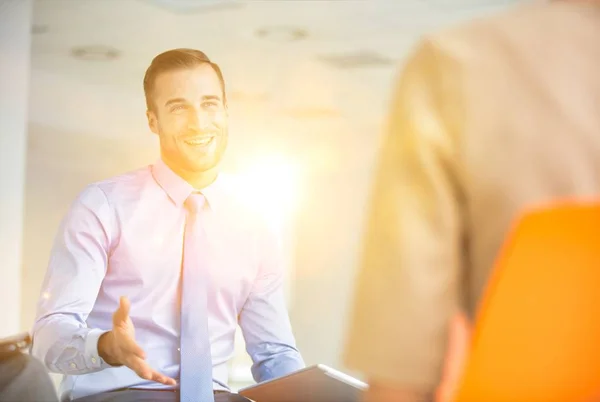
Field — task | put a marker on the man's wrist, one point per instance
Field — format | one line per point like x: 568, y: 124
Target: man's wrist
x: 106, y: 348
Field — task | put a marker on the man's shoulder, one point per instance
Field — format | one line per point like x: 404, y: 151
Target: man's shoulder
x: 120, y: 185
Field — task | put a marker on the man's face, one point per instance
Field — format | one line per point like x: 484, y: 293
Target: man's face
x: 190, y: 118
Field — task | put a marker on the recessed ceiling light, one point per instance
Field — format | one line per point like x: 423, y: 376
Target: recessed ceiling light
x: 282, y: 33
x: 95, y: 53
x: 194, y: 6
x: 360, y: 59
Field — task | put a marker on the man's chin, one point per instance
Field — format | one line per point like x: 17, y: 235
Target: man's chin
x: 201, y: 167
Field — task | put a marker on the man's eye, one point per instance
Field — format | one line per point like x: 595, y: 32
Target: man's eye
x: 177, y: 108
x: 210, y: 104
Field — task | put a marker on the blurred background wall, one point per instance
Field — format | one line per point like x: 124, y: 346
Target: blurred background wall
x: 308, y: 84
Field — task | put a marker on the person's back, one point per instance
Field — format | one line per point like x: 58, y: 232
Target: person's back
x: 531, y: 127
x: 488, y: 119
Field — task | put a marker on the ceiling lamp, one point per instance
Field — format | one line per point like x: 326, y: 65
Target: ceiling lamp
x: 192, y: 6
x: 95, y: 53
x: 282, y: 33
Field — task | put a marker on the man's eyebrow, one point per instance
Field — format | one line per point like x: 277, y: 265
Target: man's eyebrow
x: 175, y: 100
x: 211, y: 97
x: 181, y: 100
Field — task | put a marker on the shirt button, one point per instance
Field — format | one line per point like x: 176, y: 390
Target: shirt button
x: 73, y: 365
x: 93, y: 360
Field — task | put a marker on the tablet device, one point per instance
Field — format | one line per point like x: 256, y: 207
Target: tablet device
x: 317, y: 383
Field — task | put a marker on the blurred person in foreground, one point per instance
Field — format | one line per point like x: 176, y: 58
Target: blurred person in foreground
x: 487, y: 119
x: 152, y: 271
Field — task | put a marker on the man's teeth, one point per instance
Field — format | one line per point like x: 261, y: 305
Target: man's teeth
x: 199, y: 141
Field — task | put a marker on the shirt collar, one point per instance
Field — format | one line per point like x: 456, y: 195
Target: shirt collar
x: 178, y: 189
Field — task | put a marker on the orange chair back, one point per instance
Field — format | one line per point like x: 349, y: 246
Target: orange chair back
x: 537, y: 334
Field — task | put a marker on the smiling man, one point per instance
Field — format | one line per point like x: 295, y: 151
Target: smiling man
x: 152, y: 271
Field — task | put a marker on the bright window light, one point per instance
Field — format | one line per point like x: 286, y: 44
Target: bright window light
x: 272, y: 186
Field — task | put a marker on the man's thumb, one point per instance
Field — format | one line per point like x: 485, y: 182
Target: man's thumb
x: 122, y: 312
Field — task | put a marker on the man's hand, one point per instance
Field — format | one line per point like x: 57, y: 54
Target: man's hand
x: 119, y: 348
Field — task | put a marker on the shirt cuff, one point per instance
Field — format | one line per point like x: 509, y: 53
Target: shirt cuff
x: 92, y: 358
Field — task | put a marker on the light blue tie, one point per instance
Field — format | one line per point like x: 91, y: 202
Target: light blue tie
x: 196, y: 383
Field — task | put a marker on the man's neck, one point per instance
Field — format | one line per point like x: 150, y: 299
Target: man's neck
x: 198, y: 180
x: 202, y: 180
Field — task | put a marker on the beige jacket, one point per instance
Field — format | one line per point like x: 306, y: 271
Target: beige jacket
x: 487, y: 119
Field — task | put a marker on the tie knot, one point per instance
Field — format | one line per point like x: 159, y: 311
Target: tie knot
x: 195, y: 202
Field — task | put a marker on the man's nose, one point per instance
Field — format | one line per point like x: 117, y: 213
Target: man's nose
x: 199, y: 120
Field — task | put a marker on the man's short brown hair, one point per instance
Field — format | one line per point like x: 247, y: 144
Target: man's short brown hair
x: 176, y: 59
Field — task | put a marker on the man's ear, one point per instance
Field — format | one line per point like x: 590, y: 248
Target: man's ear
x: 152, y: 121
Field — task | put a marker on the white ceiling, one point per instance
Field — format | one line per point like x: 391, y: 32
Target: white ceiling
x: 284, y: 94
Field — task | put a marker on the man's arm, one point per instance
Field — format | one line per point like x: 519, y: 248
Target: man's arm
x: 408, y: 287
x: 264, y: 318
x: 78, y: 261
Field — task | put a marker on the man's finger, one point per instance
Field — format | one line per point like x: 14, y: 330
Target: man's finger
x: 143, y: 370
x: 140, y: 367
x: 163, y: 379
x: 122, y: 312
x: 131, y: 346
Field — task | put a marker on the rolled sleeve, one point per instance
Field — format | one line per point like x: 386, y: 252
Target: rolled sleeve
x: 92, y: 359
x: 81, y: 355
